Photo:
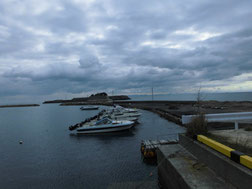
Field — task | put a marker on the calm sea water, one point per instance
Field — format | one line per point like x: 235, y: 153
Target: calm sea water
x: 238, y: 96
x: 52, y: 158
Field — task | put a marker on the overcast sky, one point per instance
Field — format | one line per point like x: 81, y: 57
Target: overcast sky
x: 62, y: 49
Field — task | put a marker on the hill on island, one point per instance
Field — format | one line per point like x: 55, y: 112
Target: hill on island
x: 98, y: 97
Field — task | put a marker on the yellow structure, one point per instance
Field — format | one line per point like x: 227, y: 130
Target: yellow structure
x: 215, y: 145
x: 246, y: 161
x: 236, y: 156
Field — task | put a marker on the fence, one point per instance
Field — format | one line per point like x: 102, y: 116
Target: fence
x: 236, y: 118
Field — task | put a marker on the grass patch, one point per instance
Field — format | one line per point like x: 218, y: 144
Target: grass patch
x: 239, y: 143
x: 248, y: 128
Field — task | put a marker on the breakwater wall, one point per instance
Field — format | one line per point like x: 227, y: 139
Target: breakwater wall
x: 18, y: 105
x: 86, y: 103
x: 155, y: 108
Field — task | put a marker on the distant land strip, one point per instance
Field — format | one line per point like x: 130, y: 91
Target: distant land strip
x: 99, y: 97
x: 18, y: 105
x: 86, y: 103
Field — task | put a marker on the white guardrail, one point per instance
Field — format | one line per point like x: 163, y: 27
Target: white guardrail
x: 239, y: 117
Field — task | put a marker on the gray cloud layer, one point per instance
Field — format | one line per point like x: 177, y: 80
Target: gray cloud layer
x: 74, y: 47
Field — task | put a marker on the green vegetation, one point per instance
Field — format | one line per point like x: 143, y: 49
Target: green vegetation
x: 248, y: 128
x: 197, y: 126
x: 239, y: 143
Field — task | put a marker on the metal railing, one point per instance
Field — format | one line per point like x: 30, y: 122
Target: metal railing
x: 236, y: 118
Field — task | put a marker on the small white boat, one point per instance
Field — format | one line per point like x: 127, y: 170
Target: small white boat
x: 125, y: 114
x: 117, y: 115
x: 89, y: 108
x: 121, y: 118
x: 126, y: 110
x: 105, y: 125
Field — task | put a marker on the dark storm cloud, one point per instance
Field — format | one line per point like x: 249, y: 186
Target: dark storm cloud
x: 79, y: 46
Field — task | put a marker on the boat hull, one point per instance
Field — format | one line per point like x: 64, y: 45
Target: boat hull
x: 103, y: 130
x: 90, y: 108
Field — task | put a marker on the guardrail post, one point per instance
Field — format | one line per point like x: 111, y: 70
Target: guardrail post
x: 236, y: 125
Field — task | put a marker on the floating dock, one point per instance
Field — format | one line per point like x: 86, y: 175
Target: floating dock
x: 148, y: 147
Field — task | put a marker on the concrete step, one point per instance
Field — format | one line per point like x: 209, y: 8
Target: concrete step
x: 178, y: 168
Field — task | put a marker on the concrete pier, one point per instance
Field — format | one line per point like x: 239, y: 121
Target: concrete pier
x: 239, y: 175
x: 178, y: 168
x: 191, y: 164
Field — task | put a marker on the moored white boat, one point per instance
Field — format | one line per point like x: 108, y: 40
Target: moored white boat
x: 126, y: 110
x: 121, y: 115
x: 122, y: 112
x: 125, y: 114
x: 89, y: 108
x: 121, y: 118
x: 105, y: 125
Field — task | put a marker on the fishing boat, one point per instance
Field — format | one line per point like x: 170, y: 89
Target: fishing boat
x: 129, y: 114
x: 105, y: 125
x: 125, y: 110
x: 121, y: 118
x: 130, y: 111
x: 89, y: 108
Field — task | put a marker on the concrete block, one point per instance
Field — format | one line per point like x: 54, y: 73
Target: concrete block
x: 177, y: 168
x: 234, y: 173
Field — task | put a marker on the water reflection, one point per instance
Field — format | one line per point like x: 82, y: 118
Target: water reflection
x: 111, y: 135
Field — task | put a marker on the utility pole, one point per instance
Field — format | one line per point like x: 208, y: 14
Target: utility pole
x: 152, y: 93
